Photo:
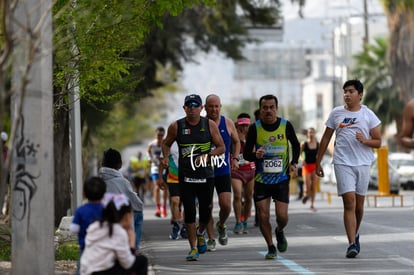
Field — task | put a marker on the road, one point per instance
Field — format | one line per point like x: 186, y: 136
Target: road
x: 317, y: 243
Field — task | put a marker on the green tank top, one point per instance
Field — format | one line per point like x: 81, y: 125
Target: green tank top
x: 273, y: 168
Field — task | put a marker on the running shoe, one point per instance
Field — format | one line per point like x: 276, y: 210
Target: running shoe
x: 238, y: 228
x: 282, y: 243
x: 192, y: 255
x: 183, y: 232
x: 164, y: 212
x: 211, y: 245
x: 201, y: 243
x: 158, y: 213
x: 271, y: 254
x: 305, y: 199
x: 358, y: 245
x: 245, y: 231
x: 222, y: 230
x: 352, y: 251
x: 175, y: 232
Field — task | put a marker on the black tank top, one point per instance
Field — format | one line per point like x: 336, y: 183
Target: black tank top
x: 310, y: 154
x: 193, y: 141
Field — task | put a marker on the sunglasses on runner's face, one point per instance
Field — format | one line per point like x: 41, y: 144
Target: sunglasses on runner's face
x: 192, y: 104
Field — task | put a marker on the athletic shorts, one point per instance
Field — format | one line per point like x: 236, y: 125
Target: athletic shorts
x: 154, y: 176
x: 278, y: 192
x: 174, y: 189
x: 243, y: 175
x: 352, y: 179
x: 308, y: 168
x: 222, y: 184
x: 138, y: 181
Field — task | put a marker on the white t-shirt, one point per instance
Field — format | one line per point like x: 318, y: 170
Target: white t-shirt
x: 155, y: 156
x: 348, y: 150
x: 101, y: 251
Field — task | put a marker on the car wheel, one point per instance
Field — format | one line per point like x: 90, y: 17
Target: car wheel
x: 394, y: 192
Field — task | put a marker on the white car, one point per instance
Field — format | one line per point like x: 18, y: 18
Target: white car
x: 400, y: 172
x: 403, y: 164
x: 328, y: 170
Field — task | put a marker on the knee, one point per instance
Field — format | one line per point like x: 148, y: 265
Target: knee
x: 282, y: 220
x: 175, y: 201
x: 236, y: 197
x: 264, y: 215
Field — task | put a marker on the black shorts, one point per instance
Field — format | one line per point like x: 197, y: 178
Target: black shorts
x: 278, y: 192
x: 222, y: 184
x: 138, y: 181
x: 174, y: 189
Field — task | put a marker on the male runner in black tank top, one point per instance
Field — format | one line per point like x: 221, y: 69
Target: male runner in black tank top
x: 195, y: 136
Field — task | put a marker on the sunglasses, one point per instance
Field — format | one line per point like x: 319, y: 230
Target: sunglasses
x: 192, y: 104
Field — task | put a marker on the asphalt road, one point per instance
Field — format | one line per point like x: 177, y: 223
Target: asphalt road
x: 317, y: 242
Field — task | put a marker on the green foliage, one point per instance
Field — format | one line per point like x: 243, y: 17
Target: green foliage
x: 92, y: 37
x: 373, y: 70
x: 68, y: 251
x: 397, y: 5
x: 246, y: 106
x: 5, y: 243
x: 115, y: 71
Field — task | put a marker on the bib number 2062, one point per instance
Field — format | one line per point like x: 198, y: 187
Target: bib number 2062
x: 274, y: 165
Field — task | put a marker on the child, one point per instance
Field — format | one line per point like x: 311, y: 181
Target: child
x: 110, y: 242
x: 116, y: 183
x: 94, y: 190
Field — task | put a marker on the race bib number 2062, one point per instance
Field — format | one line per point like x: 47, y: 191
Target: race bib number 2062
x: 273, y: 165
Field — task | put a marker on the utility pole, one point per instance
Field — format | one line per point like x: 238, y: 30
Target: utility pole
x: 366, y: 30
x: 32, y: 169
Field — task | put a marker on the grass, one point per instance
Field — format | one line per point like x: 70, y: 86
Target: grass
x: 66, y: 250
x: 5, y: 242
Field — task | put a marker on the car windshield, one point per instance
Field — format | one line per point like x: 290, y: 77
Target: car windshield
x: 402, y: 162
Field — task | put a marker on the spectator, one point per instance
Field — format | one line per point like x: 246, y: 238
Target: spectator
x: 110, y: 241
x: 116, y: 183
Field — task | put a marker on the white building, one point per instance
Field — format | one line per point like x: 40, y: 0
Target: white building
x: 305, y: 65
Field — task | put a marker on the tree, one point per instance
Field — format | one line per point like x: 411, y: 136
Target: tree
x: 380, y: 93
x: 400, y: 16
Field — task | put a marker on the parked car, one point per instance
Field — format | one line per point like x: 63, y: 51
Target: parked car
x: 328, y: 170
x: 404, y: 165
x: 400, y: 172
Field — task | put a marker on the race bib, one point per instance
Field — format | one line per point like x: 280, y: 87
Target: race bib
x: 193, y: 180
x: 273, y: 165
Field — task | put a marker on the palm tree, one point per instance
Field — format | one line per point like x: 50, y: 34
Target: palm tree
x: 400, y: 16
x: 374, y: 71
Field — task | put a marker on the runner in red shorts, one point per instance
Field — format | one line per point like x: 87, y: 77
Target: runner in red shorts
x: 242, y: 180
x: 309, y: 148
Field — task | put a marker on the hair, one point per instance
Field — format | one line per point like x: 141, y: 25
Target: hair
x: 160, y: 129
x: 111, y: 215
x: 267, y: 97
x: 243, y: 115
x: 257, y: 114
x: 94, y: 188
x: 356, y: 83
x: 112, y: 159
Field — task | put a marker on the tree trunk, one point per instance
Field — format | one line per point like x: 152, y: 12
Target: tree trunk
x: 63, y: 190
x: 401, y: 51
